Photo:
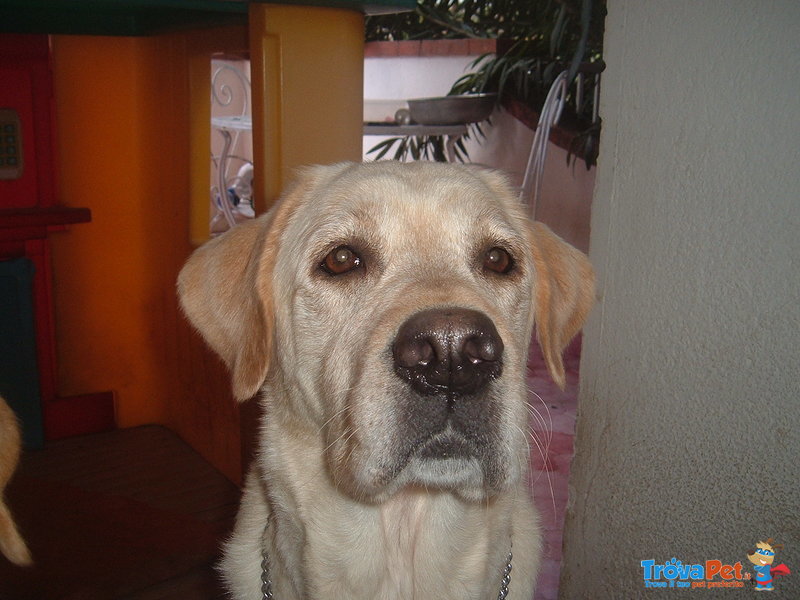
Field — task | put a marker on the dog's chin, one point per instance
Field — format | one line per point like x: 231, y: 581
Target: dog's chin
x: 463, y: 477
x: 442, y: 464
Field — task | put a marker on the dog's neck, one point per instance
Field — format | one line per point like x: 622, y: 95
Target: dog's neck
x: 401, y: 519
x: 407, y: 545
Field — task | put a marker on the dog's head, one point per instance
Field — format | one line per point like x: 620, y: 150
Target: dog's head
x: 391, y: 307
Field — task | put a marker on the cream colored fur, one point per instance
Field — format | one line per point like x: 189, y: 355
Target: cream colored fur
x: 315, y: 349
x: 11, y: 543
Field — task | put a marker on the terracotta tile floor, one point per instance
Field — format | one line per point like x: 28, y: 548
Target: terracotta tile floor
x: 550, y: 464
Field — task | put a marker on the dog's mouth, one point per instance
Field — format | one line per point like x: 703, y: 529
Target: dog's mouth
x: 446, y: 445
x: 469, y: 462
x: 447, y: 460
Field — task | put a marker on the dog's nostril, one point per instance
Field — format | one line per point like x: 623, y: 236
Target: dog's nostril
x: 417, y: 352
x: 484, y: 348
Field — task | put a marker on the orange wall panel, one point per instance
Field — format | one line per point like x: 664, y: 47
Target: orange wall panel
x: 103, y: 291
x: 123, y: 131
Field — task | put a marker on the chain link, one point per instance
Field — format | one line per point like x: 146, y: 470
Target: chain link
x: 266, y: 584
x: 506, y: 579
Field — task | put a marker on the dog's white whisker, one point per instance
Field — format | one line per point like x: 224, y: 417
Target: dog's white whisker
x: 333, y: 417
x: 547, y: 424
x: 345, y: 458
x: 544, y: 454
x: 338, y: 438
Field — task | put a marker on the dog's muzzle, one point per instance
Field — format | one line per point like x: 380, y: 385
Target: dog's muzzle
x: 448, y: 351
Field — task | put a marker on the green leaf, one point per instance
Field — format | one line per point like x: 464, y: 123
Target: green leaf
x: 383, y: 147
x: 415, y: 148
x: 558, y: 29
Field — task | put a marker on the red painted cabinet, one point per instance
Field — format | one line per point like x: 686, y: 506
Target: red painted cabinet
x: 29, y: 212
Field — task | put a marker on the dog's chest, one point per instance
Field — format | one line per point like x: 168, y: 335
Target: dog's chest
x: 404, y: 522
x: 410, y: 548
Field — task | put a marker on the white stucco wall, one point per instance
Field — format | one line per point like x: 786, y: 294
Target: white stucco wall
x: 687, y: 438
x: 412, y: 77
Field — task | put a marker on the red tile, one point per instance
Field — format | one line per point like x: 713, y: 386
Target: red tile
x: 408, y: 48
x: 554, y: 430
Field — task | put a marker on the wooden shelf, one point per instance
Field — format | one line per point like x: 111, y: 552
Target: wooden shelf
x: 15, y: 218
x: 20, y: 224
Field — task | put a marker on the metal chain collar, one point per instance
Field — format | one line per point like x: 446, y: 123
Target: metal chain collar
x: 266, y: 583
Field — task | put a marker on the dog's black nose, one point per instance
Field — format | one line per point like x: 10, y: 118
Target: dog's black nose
x: 453, y: 351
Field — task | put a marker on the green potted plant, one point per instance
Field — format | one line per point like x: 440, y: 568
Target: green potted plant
x: 536, y: 40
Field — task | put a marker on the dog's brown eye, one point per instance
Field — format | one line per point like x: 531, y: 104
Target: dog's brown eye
x: 497, y: 260
x: 341, y: 260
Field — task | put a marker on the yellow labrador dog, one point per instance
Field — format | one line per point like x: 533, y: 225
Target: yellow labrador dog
x: 383, y: 313
x: 12, y: 546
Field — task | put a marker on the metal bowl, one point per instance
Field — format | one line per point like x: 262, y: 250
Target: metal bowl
x: 452, y: 110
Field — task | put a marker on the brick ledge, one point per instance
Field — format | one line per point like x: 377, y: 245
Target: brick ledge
x: 460, y: 47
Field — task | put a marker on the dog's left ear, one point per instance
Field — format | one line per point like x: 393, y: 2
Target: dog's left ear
x: 563, y: 295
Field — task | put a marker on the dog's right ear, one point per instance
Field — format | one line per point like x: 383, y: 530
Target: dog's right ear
x: 225, y: 290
